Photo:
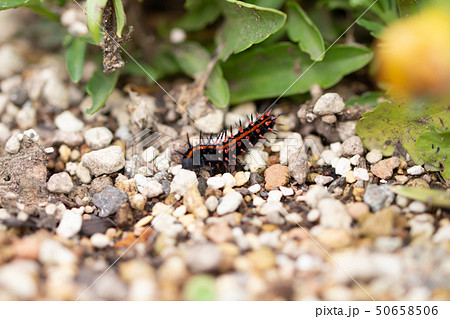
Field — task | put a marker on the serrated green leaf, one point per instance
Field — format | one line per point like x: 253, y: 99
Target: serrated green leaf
x: 200, y: 13
x: 99, y: 88
x: 433, y: 147
x: 301, y: 29
x: 397, y: 124
x: 217, y: 89
x: 94, y: 11
x: 433, y: 197
x: 246, y: 24
x: 267, y: 72
x: 75, y: 58
x: 120, y: 16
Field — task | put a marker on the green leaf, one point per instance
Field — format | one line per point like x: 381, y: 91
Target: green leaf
x: 75, y: 58
x: 369, y: 99
x: 200, y: 14
x: 302, y: 30
x: 407, y: 7
x: 120, y: 16
x: 192, y: 58
x: 433, y: 197
x: 217, y: 89
x: 200, y: 288
x: 246, y: 24
x: 397, y: 124
x: 267, y: 72
x: 99, y: 88
x: 433, y: 147
x: 374, y: 27
x: 274, y: 4
x: 10, y: 4
x: 94, y: 11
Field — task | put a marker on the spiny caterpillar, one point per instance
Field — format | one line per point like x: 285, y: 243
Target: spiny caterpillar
x: 221, y: 152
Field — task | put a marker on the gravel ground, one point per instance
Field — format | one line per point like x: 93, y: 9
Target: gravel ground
x: 310, y: 215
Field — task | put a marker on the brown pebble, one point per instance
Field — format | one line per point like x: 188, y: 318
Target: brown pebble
x: 385, y: 168
x: 276, y: 175
x: 334, y: 238
x: 381, y: 223
x: 356, y: 210
x: 261, y: 259
x: 128, y: 186
x: 219, y: 233
x: 194, y: 203
x: 124, y: 216
x: 100, y: 183
x: 418, y: 182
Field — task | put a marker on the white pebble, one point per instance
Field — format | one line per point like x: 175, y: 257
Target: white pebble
x: 12, y: 145
x: 417, y: 207
x: 67, y: 122
x: 258, y: 201
x: 60, y: 183
x: 104, y: 161
x: 329, y: 103
x: 374, y: 156
x: 416, y: 170
x: 286, y: 191
x: 100, y: 241
x: 361, y: 174
x: 183, y: 180
x: 229, y: 203
x: 355, y: 159
x: 70, y: 224
x: 98, y: 137
x: 343, y: 166
x: 216, y: 182
x: 229, y: 179
x: 254, y: 188
x: 323, y: 180
x: 211, y: 203
x: 275, y: 196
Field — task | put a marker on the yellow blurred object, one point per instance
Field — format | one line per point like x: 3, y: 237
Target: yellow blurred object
x: 412, y: 57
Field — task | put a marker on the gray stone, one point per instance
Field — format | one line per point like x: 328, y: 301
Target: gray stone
x: 329, y: 103
x: 378, y: 196
x: 298, y: 168
x: 104, y: 161
x: 109, y: 200
x: 352, y: 146
x: 204, y: 258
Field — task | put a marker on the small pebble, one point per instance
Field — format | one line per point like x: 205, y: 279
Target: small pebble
x: 361, y: 174
x: 417, y: 207
x: 229, y: 203
x: 378, y: 196
x: 229, y: 180
x: 69, y: 123
x: 275, y: 176
x: 104, y: 161
x: 138, y: 201
x: 352, y: 146
x: 83, y: 174
x: 60, y: 183
x: 286, y: 191
x: 98, y: 137
x: 100, y: 241
x: 298, y: 168
x: 254, y: 188
x: 416, y: 170
x: 350, y: 177
x: 323, y: 180
x: 241, y: 178
x: 109, y: 200
x: 385, y: 169
x: 354, y: 160
x: 374, y: 156
x: 182, y: 181
x: 211, y: 203
x: 70, y: 224
x: 343, y: 166
x: 329, y: 103
x: 275, y: 196
x: 12, y: 145
x: 216, y: 182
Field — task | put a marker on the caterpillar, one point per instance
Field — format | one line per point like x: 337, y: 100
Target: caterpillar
x: 219, y: 153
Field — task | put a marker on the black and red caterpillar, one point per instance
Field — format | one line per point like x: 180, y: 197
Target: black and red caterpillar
x: 221, y: 152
